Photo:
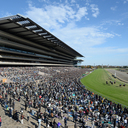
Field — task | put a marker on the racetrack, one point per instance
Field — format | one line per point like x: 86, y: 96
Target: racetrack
x: 121, y: 75
x: 96, y: 82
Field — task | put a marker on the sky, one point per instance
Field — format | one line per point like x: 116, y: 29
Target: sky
x: 97, y: 29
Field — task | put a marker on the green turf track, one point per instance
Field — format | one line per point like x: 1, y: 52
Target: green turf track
x: 96, y: 82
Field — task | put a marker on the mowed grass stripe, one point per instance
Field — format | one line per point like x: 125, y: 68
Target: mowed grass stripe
x: 96, y: 81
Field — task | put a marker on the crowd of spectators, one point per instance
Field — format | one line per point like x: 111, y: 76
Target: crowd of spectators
x: 56, y: 93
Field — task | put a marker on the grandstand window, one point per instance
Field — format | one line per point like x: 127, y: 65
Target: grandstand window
x: 44, y: 56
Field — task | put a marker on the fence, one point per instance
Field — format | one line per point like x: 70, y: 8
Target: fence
x: 118, y: 78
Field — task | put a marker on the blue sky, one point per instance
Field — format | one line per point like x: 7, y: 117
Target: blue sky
x: 98, y: 29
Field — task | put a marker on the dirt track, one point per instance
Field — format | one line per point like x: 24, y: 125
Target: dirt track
x: 122, y: 75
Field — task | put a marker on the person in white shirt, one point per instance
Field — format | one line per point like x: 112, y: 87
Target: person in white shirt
x: 125, y: 122
x: 39, y: 122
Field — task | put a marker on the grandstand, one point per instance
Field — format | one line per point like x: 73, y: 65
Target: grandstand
x: 23, y: 42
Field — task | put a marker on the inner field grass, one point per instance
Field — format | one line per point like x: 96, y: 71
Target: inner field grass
x: 96, y: 82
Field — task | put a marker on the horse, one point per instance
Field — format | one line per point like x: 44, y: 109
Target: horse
x: 124, y: 85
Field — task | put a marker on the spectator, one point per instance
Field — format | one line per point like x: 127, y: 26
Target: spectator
x: 0, y: 121
x: 22, y: 117
x: 65, y: 121
x: 39, y: 122
x: 27, y: 116
x: 47, y: 124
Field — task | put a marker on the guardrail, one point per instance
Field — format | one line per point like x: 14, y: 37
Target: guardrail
x: 118, y: 78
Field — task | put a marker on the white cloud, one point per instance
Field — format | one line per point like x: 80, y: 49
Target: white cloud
x: 42, y: 0
x: 54, y: 16
x: 125, y: 1
x: 109, y: 50
x: 87, y: 18
x: 95, y: 10
x: 5, y: 14
x: 88, y: 2
x: 81, y: 12
x: 113, y: 8
x: 77, y: 5
x: 66, y: 1
x: 112, y: 22
x: 51, y: 16
x: 120, y: 23
x: 61, y: 20
x: 86, y: 37
x: 46, y: 1
x: 73, y: 1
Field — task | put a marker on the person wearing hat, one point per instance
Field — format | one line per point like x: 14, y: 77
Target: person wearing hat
x: 39, y: 122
